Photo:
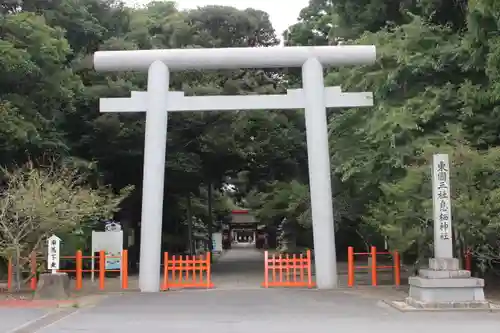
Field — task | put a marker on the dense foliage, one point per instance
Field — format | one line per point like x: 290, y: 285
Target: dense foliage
x: 435, y: 82
x: 49, y: 100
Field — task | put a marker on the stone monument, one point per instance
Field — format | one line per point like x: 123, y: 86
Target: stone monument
x: 444, y: 284
x: 53, y: 285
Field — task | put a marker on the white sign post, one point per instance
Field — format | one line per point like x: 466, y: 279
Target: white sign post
x: 111, y: 242
x: 53, y: 253
x: 443, y: 245
x: 217, y: 242
x: 314, y: 97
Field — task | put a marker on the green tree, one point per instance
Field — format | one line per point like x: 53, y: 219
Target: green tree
x: 37, y: 202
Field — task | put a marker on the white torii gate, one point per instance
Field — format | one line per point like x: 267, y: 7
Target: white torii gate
x: 314, y: 97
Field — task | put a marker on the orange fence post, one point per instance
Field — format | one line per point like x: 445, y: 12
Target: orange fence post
x: 78, y: 272
x: 33, y: 281
x: 287, y: 267
x: 165, y: 271
x: 181, y: 271
x: 397, y: 269
x: 180, y: 268
x: 102, y: 269
x: 282, y: 268
x: 266, y: 269
x: 350, y: 266
x: 301, y: 258
x: 9, y: 273
x: 309, y: 273
x: 277, y: 270
x: 125, y: 269
x: 294, y: 262
x: 209, y: 270
x: 374, y: 265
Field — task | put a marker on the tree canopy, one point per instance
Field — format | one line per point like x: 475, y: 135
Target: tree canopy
x: 435, y: 90
x: 435, y: 83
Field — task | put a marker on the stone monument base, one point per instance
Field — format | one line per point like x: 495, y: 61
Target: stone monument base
x: 53, y: 287
x: 445, y: 286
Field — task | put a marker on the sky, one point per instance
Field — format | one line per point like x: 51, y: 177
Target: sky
x: 283, y: 13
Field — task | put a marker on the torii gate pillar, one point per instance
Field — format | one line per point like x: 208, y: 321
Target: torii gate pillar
x: 314, y: 97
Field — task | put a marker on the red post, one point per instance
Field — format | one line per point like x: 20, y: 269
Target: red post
x: 9, y: 273
x: 165, y: 271
x: 397, y: 269
x: 350, y: 266
x: 295, y: 263
x: 209, y: 271
x: 374, y: 265
x: 301, y: 258
x: 266, y: 269
x: 280, y: 266
x: 78, y: 272
x: 102, y: 269
x: 125, y: 269
x: 33, y: 270
x: 309, y: 273
x: 287, y: 267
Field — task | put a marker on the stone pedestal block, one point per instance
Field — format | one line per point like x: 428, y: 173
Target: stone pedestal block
x: 431, y: 274
x: 444, y: 264
x: 53, y: 286
x: 444, y: 285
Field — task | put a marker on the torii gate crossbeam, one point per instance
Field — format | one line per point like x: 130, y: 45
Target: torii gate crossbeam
x: 158, y: 101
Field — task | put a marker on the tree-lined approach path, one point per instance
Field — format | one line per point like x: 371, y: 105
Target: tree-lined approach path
x: 242, y: 267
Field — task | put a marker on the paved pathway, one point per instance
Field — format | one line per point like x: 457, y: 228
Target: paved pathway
x: 13, y: 318
x: 250, y: 311
x: 242, y: 267
x: 238, y: 305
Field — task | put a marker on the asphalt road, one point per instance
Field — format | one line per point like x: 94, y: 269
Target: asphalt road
x: 276, y: 311
x: 241, y: 307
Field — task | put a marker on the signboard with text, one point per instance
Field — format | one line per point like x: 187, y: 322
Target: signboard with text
x: 217, y: 242
x: 443, y: 246
x: 111, y: 242
x: 53, y: 253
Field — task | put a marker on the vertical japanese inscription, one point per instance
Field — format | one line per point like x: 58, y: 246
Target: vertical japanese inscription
x: 444, y: 199
x: 53, y: 247
x: 53, y: 254
x: 441, y: 204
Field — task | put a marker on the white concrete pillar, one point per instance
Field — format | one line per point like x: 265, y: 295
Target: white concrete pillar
x: 153, y: 178
x: 325, y: 260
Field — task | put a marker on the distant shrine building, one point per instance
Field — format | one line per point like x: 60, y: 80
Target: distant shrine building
x: 244, y: 227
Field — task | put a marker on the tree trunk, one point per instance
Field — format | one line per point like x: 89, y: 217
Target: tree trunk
x: 190, y: 226
x: 210, y: 222
x: 459, y: 248
x: 17, y: 267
